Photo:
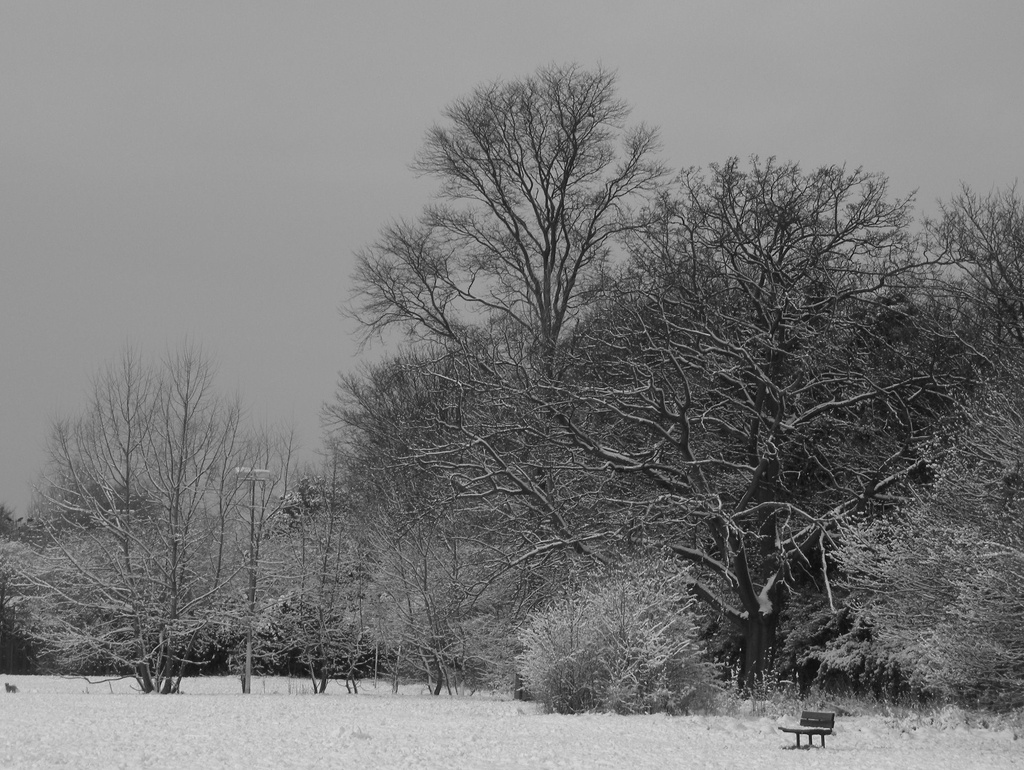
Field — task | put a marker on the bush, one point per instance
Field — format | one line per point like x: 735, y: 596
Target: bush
x: 626, y: 644
x: 839, y: 653
x: 941, y: 579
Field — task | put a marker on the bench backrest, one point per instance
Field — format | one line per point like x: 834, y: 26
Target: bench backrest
x: 818, y: 719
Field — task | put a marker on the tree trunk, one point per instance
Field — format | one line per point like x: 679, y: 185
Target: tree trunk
x: 394, y: 675
x: 518, y: 687
x: 319, y: 682
x: 439, y: 674
x: 759, y: 636
x: 181, y: 664
x: 143, y: 677
x: 166, y: 663
x: 432, y: 670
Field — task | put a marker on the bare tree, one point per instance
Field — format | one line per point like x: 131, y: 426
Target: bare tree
x: 535, y: 187
x: 137, y: 503
x: 983, y: 236
x: 261, y: 483
x: 538, y: 179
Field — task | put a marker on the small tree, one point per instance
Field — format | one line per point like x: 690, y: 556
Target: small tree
x: 322, y: 620
x: 138, y: 494
x: 448, y: 606
x: 260, y: 484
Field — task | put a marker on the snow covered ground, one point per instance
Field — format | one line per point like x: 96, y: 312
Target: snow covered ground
x: 55, y: 722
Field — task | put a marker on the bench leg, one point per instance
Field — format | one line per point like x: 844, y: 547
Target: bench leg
x: 798, y: 740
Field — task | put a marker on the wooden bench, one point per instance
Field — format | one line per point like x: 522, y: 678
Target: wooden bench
x: 813, y: 723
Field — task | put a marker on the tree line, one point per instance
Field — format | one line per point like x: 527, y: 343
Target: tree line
x: 771, y: 386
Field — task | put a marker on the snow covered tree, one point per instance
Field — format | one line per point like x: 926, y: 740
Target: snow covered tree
x: 761, y: 376
x: 139, y: 496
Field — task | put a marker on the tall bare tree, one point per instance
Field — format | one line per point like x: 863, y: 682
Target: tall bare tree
x: 538, y: 178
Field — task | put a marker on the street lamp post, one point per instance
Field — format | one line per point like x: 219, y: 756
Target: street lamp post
x: 252, y: 475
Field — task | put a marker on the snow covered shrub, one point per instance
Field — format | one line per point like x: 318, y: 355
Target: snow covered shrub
x: 839, y: 653
x: 857, y: 662
x: 942, y: 580
x: 625, y: 644
x: 558, y: 662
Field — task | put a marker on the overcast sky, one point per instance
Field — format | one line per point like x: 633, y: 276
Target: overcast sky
x: 206, y: 170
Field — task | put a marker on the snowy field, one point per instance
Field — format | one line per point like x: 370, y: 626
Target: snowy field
x: 55, y: 722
